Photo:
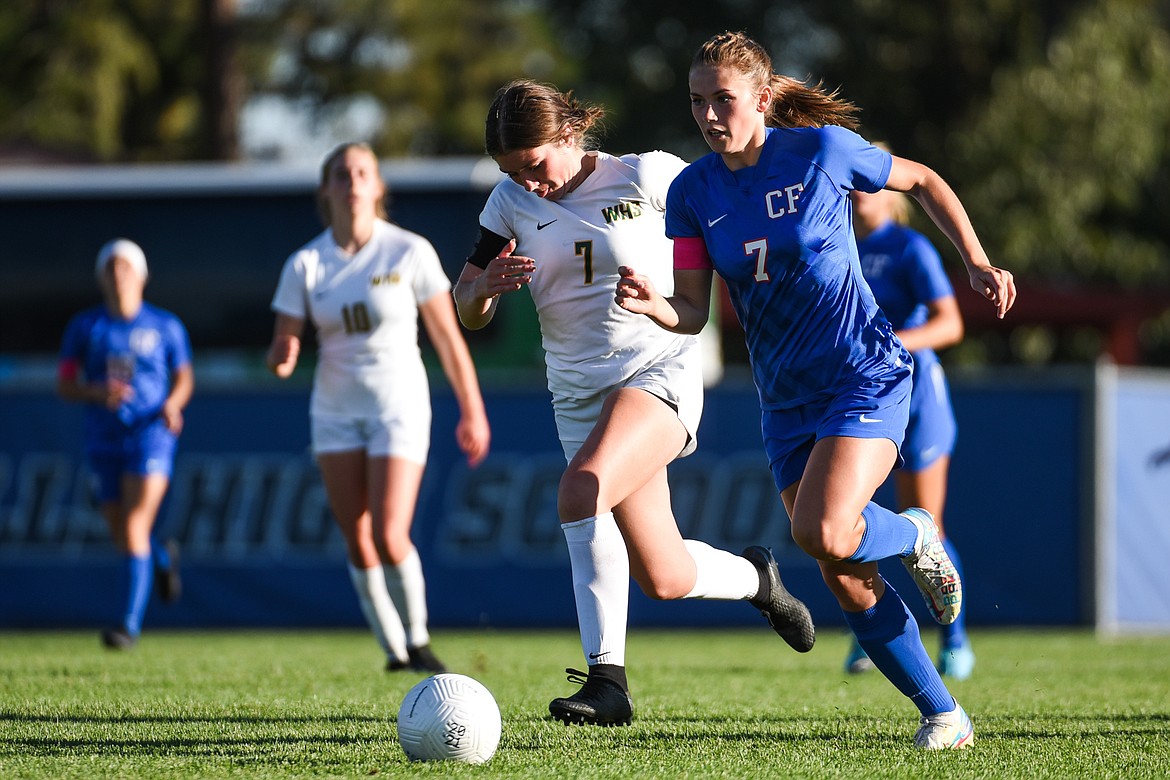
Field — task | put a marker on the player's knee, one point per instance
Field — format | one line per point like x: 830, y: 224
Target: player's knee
x: 577, y: 495
x: 393, y: 545
x: 664, y: 588
x: 824, y: 541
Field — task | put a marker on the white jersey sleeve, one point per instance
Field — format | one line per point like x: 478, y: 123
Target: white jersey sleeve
x: 291, y: 290
x: 653, y: 172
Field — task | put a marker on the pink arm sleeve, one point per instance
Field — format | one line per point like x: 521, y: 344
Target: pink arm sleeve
x: 690, y: 254
x: 68, y: 369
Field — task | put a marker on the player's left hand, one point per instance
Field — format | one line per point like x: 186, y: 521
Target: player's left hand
x: 474, y: 436
x: 173, y: 418
x: 505, y: 273
x: 996, y: 285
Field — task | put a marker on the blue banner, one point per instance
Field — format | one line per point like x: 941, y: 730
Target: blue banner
x: 259, y: 547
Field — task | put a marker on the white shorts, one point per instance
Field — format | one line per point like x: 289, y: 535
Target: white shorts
x: 405, y: 436
x: 676, y: 378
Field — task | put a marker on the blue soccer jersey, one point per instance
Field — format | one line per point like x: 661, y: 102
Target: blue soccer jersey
x: 906, y: 274
x: 780, y: 234
x: 143, y: 352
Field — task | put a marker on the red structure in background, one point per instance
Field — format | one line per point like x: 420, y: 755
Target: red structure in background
x: 1118, y: 315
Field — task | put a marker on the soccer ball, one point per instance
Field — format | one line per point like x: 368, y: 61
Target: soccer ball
x: 449, y: 717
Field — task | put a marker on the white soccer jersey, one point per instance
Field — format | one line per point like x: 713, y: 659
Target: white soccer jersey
x: 365, y: 308
x: 614, y: 217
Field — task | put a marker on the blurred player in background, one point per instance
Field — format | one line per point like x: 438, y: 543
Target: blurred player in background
x: 364, y: 283
x: 130, y: 363
x: 906, y: 275
x: 627, y: 396
x: 768, y: 210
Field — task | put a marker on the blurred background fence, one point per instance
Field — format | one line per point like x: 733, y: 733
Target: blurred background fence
x: 1059, y: 500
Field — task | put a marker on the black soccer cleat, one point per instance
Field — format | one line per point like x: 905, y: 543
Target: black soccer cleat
x: 422, y: 659
x: 395, y: 665
x: 786, y: 614
x: 118, y: 639
x: 600, y: 702
x: 166, y: 578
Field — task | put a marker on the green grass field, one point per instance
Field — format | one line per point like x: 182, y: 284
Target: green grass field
x: 1046, y: 704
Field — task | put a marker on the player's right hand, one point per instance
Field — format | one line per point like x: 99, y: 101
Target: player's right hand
x: 115, y: 393
x: 282, y: 355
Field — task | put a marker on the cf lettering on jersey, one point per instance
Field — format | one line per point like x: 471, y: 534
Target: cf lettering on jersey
x: 781, y: 202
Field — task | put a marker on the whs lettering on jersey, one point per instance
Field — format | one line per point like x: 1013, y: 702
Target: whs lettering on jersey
x: 624, y: 210
x: 781, y: 202
x: 390, y: 278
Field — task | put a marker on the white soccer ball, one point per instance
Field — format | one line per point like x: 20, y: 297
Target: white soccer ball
x: 449, y: 717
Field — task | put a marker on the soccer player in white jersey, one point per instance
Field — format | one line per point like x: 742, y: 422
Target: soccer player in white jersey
x: 769, y: 210
x: 627, y: 395
x: 364, y: 283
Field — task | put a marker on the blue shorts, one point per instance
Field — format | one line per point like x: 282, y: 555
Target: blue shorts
x: 875, y: 409
x: 931, y: 432
x: 150, y: 451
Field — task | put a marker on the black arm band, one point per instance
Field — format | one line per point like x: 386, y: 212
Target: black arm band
x: 487, y: 247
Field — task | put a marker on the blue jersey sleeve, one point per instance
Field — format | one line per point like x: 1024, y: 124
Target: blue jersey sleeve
x: 680, y: 219
x: 74, y: 341
x: 178, y: 350
x: 852, y: 162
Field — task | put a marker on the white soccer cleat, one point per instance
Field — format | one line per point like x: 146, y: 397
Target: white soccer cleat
x: 932, y: 569
x: 946, y: 731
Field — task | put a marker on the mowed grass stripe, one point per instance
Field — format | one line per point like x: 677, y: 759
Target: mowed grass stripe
x: 713, y: 703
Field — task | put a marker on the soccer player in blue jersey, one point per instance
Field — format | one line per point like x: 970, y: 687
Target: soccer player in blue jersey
x: 769, y: 211
x: 130, y: 363
x: 906, y: 275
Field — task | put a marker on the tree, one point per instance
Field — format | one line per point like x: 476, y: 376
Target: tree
x: 145, y: 80
x: 431, y: 68
x: 1065, y: 164
x: 70, y: 73
x: 919, y: 68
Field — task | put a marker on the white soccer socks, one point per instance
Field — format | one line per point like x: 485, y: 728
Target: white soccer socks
x: 374, y: 599
x: 601, y: 586
x: 720, y: 574
x: 408, y: 590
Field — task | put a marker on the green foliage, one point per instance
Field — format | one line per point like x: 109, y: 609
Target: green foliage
x: 918, y: 68
x: 726, y: 703
x: 148, y: 79
x: 70, y: 73
x: 107, y: 80
x: 1059, y: 165
x: 431, y: 68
